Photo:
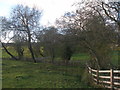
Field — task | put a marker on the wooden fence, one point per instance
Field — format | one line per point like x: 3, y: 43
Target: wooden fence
x: 106, y: 78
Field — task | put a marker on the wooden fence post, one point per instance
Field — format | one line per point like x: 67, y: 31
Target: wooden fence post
x: 97, y: 73
x: 91, y: 71
x: 111, y: 78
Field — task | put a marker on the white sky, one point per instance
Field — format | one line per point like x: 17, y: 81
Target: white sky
x: 52, y: 9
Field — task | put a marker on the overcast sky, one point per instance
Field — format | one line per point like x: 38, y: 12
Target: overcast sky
x: 52, y: 9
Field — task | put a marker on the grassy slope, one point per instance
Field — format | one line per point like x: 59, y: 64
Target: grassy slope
x: 13, y: 51
x: 115, y: 58
x: 20, y: 74
x: 80, y: 56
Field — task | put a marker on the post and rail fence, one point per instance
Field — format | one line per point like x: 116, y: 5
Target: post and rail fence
x: 106, y: 78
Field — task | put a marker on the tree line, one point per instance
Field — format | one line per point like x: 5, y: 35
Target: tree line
x: 93, y: 28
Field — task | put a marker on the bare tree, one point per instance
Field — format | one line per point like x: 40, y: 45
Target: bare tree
x: 112, y: 11
x: 25, y: 19
x: 109, y: 12
x: 69, y: 33
x: 97, y: 28
x: 49, y: 38
x: 92, y: 32
x: 68, y: 45
x: 5, y: 35
x: 19, y: 41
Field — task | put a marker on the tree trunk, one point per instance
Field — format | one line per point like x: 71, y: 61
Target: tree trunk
x: 96, y: 58
x: 20, y: 53
x: 30, y: 46
x: 8, y: 52
x: 93, y: 52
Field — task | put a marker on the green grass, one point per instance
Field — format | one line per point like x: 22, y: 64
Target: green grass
x: 13, y: 51
x: 83, y: 57
x: 80, y: 56
x: 4, y: 54
x: 21, y: 74
x: 77, y: 57
x: 115, y: 58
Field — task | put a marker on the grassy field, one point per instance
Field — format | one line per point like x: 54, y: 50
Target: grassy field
x: 21, y: 74
x: 82, y: 57
x: 115, y: 58
x: 11, y: 49
x: 79, y: 56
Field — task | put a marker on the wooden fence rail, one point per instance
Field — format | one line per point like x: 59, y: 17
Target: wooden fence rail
x: 106, y: 78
